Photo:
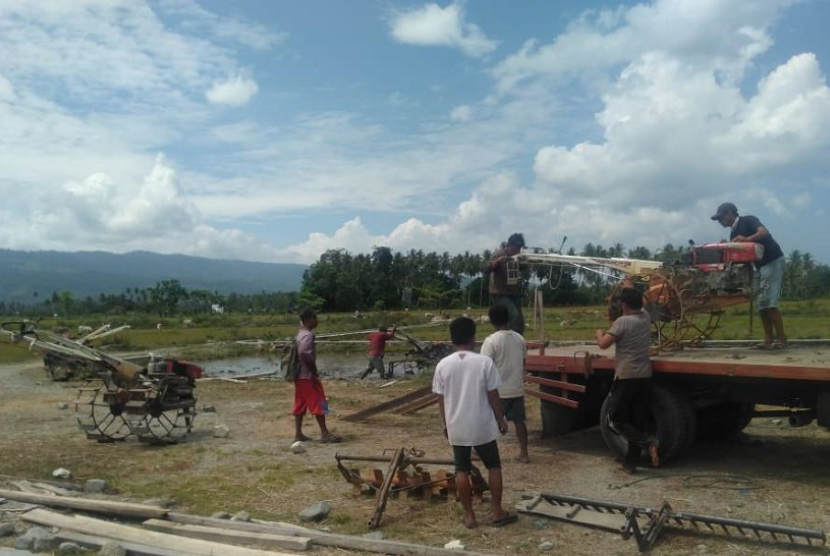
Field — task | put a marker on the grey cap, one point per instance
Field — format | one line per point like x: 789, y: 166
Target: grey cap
x: 725, y: 208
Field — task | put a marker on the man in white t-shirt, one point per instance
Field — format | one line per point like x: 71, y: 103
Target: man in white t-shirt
x: 508, y: 351
x: 471, y: 411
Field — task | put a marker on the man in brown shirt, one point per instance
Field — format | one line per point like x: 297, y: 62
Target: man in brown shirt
x: 632, y: 375
x: 502, y: 290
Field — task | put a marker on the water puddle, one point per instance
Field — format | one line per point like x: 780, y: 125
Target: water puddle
x: 330, y: 365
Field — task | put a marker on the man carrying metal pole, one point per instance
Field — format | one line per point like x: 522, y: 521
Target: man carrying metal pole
x: 377, y: 350
x: 506, y: 286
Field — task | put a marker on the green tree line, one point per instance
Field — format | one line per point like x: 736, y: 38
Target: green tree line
x: 387, y: 280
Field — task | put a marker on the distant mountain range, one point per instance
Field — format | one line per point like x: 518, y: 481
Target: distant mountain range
x: 90, y: 273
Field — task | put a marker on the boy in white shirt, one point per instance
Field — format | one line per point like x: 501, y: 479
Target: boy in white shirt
x: 471, y: 411
x: 508, y: 351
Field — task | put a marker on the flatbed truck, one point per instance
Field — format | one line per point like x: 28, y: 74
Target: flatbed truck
x: 699, y: 393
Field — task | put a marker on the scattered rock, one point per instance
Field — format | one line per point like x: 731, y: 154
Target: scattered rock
x: 112, y: 549
x: 298, y: 447
x: 776, y: 421
x: 221, y: 431
x: 316, y: 512
x: 540, y: 524
x: 68, y: 548
x: 454, y: 544
x: 374, y: 535
x: 95, y: 485
x: 46, y: 544
x: 161, y: 502
x: 27, y: 541
x: 702, y: 548
x: 221, y: 515
x: 61, y: 473
x: 209, y: 409
x: 545, y: 546
x: 6, y: 529
x: 63, y: 405
x: 241, y: 516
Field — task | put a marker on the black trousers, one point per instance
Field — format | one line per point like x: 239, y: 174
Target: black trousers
x: 514, y: 309
x: 629, y: 398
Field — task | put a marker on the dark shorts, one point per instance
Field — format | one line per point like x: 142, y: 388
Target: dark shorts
x: 514, y: 409
x: 489, y: 454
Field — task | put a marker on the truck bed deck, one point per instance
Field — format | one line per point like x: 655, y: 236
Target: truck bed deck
x: 808, y: 362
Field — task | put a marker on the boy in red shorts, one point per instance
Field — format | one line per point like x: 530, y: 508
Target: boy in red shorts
x: 308, y: 389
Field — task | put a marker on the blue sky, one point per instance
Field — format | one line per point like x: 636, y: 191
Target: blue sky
x: 272, y: 131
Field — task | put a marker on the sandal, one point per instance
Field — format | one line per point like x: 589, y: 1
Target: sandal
x: 763, y: 346
x: 779, y: 345
x: 331, y: 439
x: 506, y: 519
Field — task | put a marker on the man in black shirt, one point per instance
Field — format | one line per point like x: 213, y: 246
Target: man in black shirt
x: 769, y: 271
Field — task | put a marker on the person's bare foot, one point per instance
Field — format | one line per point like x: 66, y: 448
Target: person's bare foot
x: 302, y: 438
x: 524, y: 458
x: 654, y: 454
x: 469, y: 522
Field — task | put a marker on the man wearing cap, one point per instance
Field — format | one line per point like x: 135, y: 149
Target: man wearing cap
x: 769, y: 271
x: 502, y: 291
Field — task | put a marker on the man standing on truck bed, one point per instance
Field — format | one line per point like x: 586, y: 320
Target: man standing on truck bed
x: 632, y: 375
x: 503, y: 291
x: 769, y: 271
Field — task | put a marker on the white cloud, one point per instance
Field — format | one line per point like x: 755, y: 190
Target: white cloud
x: 678, y: 135
x: 152, y: 213
x: 432, y: 25
x: 194, y: 17
x: 234, y: 91
x: 723, y: 36
x: 663, y: 119
x: 461, y: 113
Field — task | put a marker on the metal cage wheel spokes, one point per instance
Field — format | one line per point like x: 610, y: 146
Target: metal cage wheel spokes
x: 98, y: 418
x: 167, y: 427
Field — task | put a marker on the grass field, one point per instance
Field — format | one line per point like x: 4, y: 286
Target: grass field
x: 803, y: 319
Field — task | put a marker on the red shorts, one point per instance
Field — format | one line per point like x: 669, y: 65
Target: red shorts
x: 309, y: 396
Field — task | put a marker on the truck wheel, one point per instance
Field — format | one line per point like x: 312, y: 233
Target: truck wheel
x: 724, y: 420
x: 667, y: 417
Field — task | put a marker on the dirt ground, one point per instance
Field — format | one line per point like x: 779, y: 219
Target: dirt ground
x: 776, y: 474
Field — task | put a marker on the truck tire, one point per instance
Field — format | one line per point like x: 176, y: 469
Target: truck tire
x: 724, y: 420
x: 668, y: 417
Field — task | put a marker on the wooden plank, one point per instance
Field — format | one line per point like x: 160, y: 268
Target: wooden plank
x: 126, y: 533
x: 123, y: 509
x: 229, y: 536
x: 53, y: 489
x: 387, y: 405
x: 551, y: 398
x: 26, y: 486
x: 417, y: 405
x: 93, y: 542
x: 322, y: 538
x: 573, y: 387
